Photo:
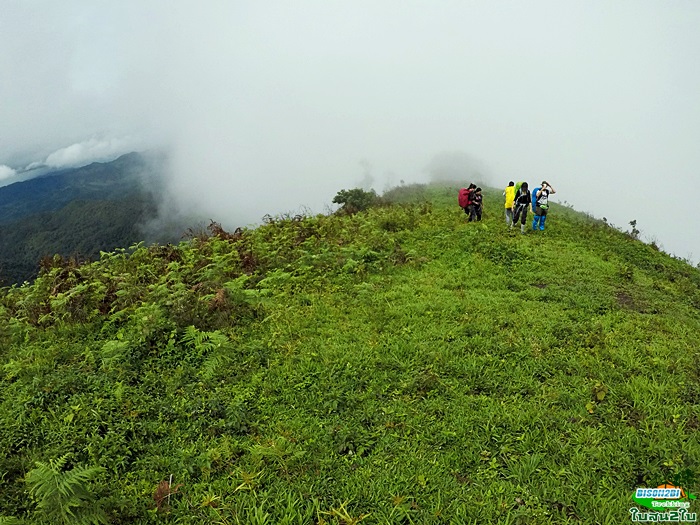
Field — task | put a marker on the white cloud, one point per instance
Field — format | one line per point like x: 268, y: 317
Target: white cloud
x: 93, y: 150
x: 6, y: 172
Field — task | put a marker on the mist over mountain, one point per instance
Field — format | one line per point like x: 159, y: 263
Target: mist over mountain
x: 277, y: 106
x: 52, y: 191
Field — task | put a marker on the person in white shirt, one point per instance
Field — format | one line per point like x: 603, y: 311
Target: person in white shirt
x: 541, y: 199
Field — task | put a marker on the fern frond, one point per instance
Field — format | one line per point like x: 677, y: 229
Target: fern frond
x: 212, y: 366
x: 63, y: 497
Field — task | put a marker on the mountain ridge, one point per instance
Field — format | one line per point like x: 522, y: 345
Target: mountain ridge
x: 51, y: 191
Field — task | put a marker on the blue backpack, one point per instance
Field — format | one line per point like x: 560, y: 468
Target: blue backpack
x: 534, y: 197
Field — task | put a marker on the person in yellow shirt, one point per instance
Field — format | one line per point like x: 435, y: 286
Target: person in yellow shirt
x: 509, y: 194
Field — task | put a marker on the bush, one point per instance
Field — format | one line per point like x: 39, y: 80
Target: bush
x: 356, y: 199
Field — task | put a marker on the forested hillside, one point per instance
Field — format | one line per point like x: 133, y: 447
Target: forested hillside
x: 397, y: 365
x: 74, y: 213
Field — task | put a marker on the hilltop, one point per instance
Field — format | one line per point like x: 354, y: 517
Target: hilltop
x: 394, y: 366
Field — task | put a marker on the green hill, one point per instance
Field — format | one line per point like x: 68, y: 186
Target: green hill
x: 394, y: 366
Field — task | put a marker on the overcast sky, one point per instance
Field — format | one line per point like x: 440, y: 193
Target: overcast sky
x: 271, y: 106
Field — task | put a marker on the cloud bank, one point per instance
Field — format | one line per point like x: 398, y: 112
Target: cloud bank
x: 269, y: 106
x: 92, y: 150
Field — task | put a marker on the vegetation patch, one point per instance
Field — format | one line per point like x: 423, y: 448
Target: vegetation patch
x: 391, y: 365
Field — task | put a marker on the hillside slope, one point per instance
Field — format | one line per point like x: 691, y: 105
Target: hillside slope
x: 75, y: 212
x: 395, y: 366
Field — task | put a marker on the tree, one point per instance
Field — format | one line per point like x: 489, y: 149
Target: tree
x: 356, y: 199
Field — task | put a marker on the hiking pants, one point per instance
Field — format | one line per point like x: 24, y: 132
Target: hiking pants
x: 474, y: 213
x: 540, y: 217
x: 509, y: 216
x: 469, y: 210
x: 520, y: 213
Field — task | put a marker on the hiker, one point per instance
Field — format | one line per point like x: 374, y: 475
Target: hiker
x: 521, y: 205
x: 465, y: 198
x: 476, y: 206
x: 509, y: 194
x: 540, y: 201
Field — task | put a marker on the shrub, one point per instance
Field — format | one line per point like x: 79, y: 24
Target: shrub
x: 356, y: 199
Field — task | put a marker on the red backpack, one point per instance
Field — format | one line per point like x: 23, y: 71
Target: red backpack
x: 463, y: 198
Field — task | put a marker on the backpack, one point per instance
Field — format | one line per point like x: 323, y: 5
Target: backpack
x: 517, y: 187
x: 510, y: 194
x: 463, y: 199
x: 534, y: 197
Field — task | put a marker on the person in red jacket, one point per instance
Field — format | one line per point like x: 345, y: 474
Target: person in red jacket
x: 470, y: 199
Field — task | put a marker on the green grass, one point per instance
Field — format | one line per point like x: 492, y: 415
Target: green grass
x: 395, y: 366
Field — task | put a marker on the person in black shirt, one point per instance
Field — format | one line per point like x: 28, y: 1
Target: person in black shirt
x: 521, y: 204
x: 476, y: 206
x: 470, y: 197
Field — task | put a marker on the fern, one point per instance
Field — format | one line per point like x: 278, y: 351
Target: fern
x: 63, y: 497
x: 204, y: 342
x: 214, y: 364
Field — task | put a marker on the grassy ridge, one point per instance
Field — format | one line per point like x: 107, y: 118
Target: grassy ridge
x: 396, y: 366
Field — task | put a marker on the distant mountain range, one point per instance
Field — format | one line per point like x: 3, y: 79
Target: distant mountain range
x: 75, y: 212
